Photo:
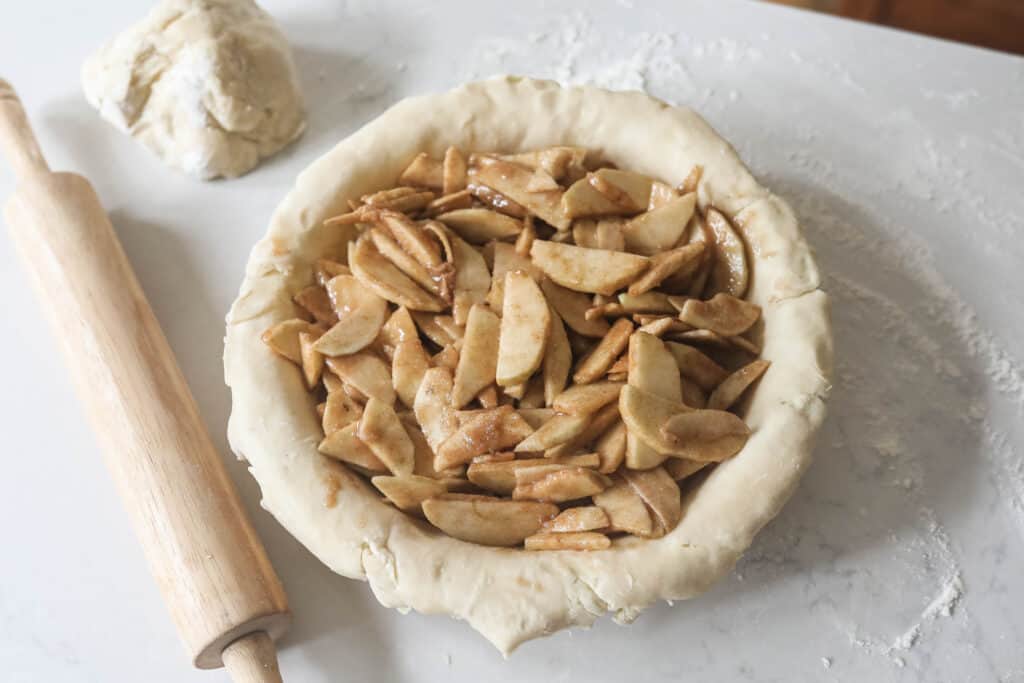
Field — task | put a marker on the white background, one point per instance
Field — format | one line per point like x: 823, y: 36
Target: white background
x: 899, y: 558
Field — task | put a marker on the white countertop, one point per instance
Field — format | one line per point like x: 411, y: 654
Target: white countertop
x: 900, y: 556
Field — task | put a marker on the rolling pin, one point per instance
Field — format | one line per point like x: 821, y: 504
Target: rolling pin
x: 222, y: 593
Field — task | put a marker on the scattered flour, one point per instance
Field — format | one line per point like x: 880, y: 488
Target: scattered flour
x: 942, y: 605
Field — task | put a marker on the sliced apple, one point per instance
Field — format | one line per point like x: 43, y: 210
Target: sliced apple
x: 587, y: 399
x: 345, y: 446
x: 312, y: 360
x: 557, y: 430
x: 661, y: 494
x: 730, y: 274
x: 524, y: 242
x: 478, y: 358
x: 693, y: 395
x: 680, y: 468
x: 524, y: 329
x: 640, y: 456
x: 599, y: 422
x: 597, y: 362
x: 409, y: 492
x: 692, y: 180
x: 463, y: 199
x: 448, y: 357
x: 733, y: 386
x: 652, y: 368
x: 541, y: 181
x: 500, y: 477
x: 533, y: 397
x: 353, y: 393
x: 661, y: 194
x: 423, y: 455
x: 412, y: 237
x: 645, y: 414
x: 586, y: 518
x: 339, y: 412
x: 472, y: 279
x: 587, y: 270
x: 516, y: 391
x: 511, y: 180
x: 488, y: 397
x: 659, y: 229
x: 625, y: 509
x: 535, y: 417
x: 629, y: 191
x: 583, y: 200
x: 384, y: 279
x: 696, y: 366
x: 383, y: 433
x: 709, y: 338
x: 665, y: 264
x: 485, y: 520
x: 440, y: 329
x: 332, y: 383
x: 423, y: 171
x: 479, y: 226
x: 704, y: 435
x: 361, y: 314
x: 507, y: 260
x: 572, y: 308
x: 743, y: 344
x: 646, y: 303
x: 432, y: 407
x: 723, y: 313
x: 584, y: 233
x: 495, y: 199
x: 663, y: 326
x: 557, y: 359
x: 621, y: 365
x: 560, y: 162
x: 283, y: 338
x: 315, y: 301
x: 383, y: 198
x: 409, y: 363
x: 324, y: 269
x: 398, y: 328
x: 392, y: 251
x: 609, y: 234
x: 559, y: 486
x: 486, y: 431
x: 578, y: 540
x: 453, y: 171
x: 611, y: 447
x: 391, y: 200
x: 367, y: 373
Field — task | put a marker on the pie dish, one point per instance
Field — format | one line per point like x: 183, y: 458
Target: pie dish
x: 512, y: 595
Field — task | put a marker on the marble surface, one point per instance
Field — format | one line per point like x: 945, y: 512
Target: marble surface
x: 898, y: 559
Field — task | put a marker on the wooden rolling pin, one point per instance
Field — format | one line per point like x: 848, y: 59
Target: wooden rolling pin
x: 215, y: 576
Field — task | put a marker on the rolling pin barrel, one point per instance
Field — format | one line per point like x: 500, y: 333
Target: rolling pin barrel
x: 214, y: 574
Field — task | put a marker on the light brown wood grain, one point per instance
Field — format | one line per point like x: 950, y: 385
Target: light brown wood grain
x: 252, y: 659
x: 211, y: 568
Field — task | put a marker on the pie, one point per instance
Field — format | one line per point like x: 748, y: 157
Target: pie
x: 524, y: 355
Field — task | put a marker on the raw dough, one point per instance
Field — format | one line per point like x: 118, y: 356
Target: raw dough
x: 513, y: 595
x: 208, y: 85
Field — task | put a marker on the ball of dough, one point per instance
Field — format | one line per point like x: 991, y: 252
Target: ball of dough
x: 208, y: 85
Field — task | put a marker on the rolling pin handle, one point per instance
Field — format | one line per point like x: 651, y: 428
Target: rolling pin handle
x: 252, y: 659
x: 16, y: 136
